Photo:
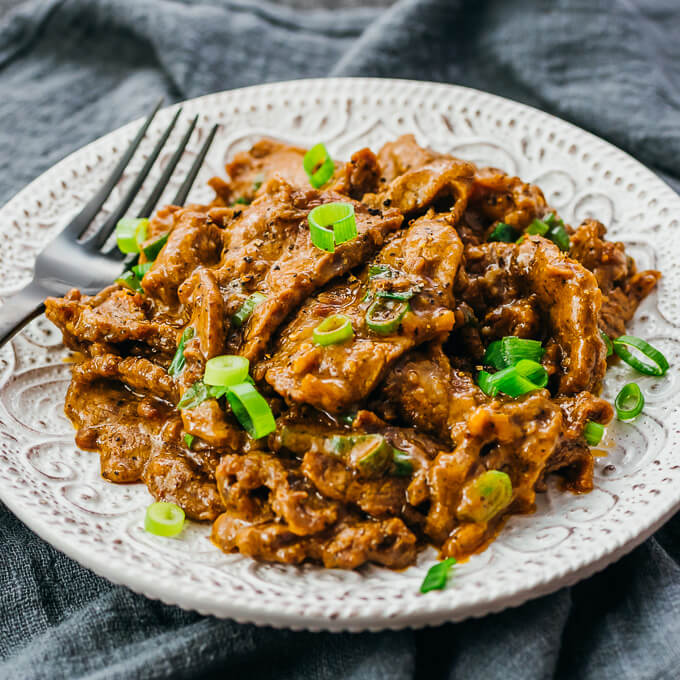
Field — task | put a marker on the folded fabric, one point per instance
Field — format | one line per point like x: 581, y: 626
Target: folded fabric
x: 71, y: 70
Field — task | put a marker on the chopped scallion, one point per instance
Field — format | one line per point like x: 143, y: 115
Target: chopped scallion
x: 251, y: 410
x: 503, y: 232
x: 226, y: 370
x: 384, y: 316
x: 331, y: 224
x: 593, y: 433
x: 164, y: 519
x: 130, y: 280
x: 318, y: 165
x: 437, y: 575
x: 178, y: 361
x: 189, y: 439
x: 131, y: 233
x: 607, y: 342
x: 629, y: 402
x: 659, y: 363
x: 247, y: 308
x: 151, y: 251
x: 333, y: 329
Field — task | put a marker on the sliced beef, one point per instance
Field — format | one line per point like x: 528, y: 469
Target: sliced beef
x: 424, y: 259
x: 563, y: 297
x: 269, y: 249
x: 622, y: 286
x: 194, y: 241
x: 115, y: 315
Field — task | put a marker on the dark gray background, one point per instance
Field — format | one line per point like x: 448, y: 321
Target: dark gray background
x: 6, y: 5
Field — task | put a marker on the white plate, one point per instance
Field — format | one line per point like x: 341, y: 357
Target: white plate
x: 57, y: 491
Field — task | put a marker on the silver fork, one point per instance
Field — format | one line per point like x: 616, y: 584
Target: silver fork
x: 67, y: 262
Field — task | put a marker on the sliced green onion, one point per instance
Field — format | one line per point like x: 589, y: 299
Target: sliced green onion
x: 525, y: 376
x: 318, y: 165
x: 629, y: 402
x: 251, y: 410
x: 402, y: 466
x: 503, y: 232
x: 226, y: 370
x: 508, y: 351
x: 659, y: 364
x: 151, y: 251
x: 333, y: 330
x: 195, y: 395
x: 331, y: 224
x: 189, y: 439
x: 141, y: 269
x: 129, y: 280
x: 558, y: 235
x: 494, y: 355
x: 372, y: 454
x: 247, y: 308
x: 241, y: 200
x: 164, y: 519
x: 593, y: 433
x: 537, y: 228
x: 515, y: 349
x: 485, y: 496
x: 130, y: 233
x: 486, y: 383
x: 178, y: 361
x: 381, y: 271
x: 257, y: 183
x: 437, y: 575
x: 608, y: 343
x: 384, y: 316
x: 399, y: 294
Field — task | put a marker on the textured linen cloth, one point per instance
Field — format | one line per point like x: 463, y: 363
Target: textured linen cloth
x: 71, y: 70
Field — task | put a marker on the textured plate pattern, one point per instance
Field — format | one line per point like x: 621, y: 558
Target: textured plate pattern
x: 57, y: 491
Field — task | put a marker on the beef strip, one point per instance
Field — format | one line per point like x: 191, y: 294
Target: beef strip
x: 524, y: 286
x: 114, y: 316
x: 424, y: 258
x: 622, y: 286
x: 268, y: 248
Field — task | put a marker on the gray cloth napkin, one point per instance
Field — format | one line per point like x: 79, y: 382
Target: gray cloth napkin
x: 71, y: 70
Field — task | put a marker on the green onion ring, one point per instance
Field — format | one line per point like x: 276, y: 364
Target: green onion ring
x: 607, y: 343
x: 226, y: 370
x: 164, y: 519
x: 333, y: 329
x: 396, y: 310
x: 538, y: 227
x: 659, y: 365
x: 247, y: 308
x: 318, y: 165
x: 331, y: 224
x: 251, y: 410
x: 593, y: 433
x: 131, y: 233
x: 628, y: 393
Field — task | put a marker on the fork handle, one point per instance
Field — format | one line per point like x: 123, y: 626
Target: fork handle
x: 19, y: 309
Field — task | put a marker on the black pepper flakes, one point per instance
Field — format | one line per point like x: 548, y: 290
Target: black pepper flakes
x: 387, y: 202
x: 248, y: 259
x: 374, y: 211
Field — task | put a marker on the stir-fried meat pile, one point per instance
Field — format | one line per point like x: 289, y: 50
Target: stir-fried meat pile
x: 384, y: 441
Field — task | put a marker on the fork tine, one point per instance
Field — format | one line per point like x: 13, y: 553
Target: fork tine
x: 167, y: 173
x: 188, y: 182
x: 150, y: 204
x: 99, y: 238
x: 93, y: 206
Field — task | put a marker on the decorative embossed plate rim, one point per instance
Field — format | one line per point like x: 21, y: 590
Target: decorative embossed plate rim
x: 56, y: 490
